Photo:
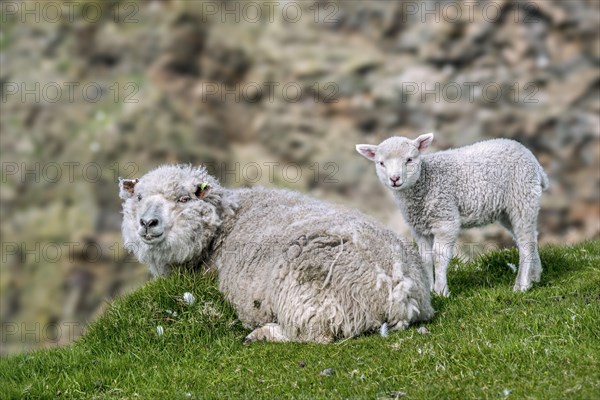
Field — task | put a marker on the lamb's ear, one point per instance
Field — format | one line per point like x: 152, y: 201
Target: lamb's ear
x: 423, y: 141
x: 367, y: 151
x: 126, y: 187
x: 202, y: 190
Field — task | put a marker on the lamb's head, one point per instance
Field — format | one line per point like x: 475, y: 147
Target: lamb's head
x: 397, y: 159
x: 171, y: 214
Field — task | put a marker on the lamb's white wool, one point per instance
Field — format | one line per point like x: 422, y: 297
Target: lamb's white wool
x: 440, y: 193
x: 295, y: 268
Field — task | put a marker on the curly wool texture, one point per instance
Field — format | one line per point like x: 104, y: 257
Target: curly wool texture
x: 477, y: 184
x: 314, y: 271
x: 441, y: 193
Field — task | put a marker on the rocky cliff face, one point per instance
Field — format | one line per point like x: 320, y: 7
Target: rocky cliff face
x: 278, y: 100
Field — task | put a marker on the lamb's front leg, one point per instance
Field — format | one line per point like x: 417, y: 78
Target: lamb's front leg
x: 425, y: 244
x: 444, y: 241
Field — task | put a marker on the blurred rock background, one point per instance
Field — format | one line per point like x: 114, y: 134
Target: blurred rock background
x: 93, y: 90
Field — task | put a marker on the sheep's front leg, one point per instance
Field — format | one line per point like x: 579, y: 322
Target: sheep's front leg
x: 425, y: 250
x: 443, y: 248
x: 159, y: 270
x: 268, y: 333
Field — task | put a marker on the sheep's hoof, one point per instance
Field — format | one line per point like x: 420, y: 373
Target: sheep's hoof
x: 247, y: 340
x: 266, y: 333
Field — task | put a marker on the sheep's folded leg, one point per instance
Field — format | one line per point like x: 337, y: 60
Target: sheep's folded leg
x: 268, y: 333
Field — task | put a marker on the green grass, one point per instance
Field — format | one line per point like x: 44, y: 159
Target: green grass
x: 485, y: 342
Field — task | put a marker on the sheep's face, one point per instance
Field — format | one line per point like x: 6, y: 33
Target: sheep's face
x: 170, y: 215
x: 397, y: 160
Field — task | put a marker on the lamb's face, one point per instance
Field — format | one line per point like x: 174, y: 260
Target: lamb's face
x: 397, y: 160
x: 170, y: 215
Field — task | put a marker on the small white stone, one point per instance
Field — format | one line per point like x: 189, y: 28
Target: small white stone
x: 506, y: 392
x: 423, y: 331
x: 160, y: 330
x: 189, y: 298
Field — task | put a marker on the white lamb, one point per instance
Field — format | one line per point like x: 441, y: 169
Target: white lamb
x: 294, y: 268
x: 440, y: 193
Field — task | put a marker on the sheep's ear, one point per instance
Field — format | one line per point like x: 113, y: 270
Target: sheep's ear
x: 126, y: 187
x: 202, y: 190
x: 423, y: 141
x: 367, y: 150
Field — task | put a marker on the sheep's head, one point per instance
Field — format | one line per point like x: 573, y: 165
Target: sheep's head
x: 171, y: 214
x: 397, y: 159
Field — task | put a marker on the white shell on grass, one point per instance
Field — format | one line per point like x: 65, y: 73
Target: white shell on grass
x: 189, y: 298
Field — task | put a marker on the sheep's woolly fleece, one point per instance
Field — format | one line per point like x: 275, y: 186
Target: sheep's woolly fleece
x: 295, y: 268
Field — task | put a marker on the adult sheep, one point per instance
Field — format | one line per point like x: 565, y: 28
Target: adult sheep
x: 294, y: 268
x: 440, y: 193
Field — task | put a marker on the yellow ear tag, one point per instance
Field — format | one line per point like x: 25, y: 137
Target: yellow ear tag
x: 202, y: 190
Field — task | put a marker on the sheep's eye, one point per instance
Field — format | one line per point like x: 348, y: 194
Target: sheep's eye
x: 409, y: 160
x: 381, y: 163
x: 139, y: 196
x: 183, y: 199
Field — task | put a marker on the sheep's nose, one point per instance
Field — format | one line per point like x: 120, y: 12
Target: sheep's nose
x: 149, y: 223
x: 394, y: 178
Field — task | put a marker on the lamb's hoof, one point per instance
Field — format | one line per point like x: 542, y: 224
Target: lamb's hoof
x: 536, y: 276
x: 444, y: 292
x: 521, y: 287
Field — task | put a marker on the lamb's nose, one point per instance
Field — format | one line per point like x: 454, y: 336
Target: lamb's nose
x: 149, y: 223
x: 394, y: 178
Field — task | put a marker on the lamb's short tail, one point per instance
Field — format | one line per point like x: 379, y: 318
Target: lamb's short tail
x: 545, y: 182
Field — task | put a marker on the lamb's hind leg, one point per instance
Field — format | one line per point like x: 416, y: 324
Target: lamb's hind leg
x: 530, y: 266
x: 268, y: 333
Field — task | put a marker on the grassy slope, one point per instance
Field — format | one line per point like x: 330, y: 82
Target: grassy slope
x: 485, y: 342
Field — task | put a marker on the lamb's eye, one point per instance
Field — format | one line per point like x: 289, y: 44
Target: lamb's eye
x: 139, y: 197
x: 183, y: 199
x: 381, y: 163
x: 409, y: 160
